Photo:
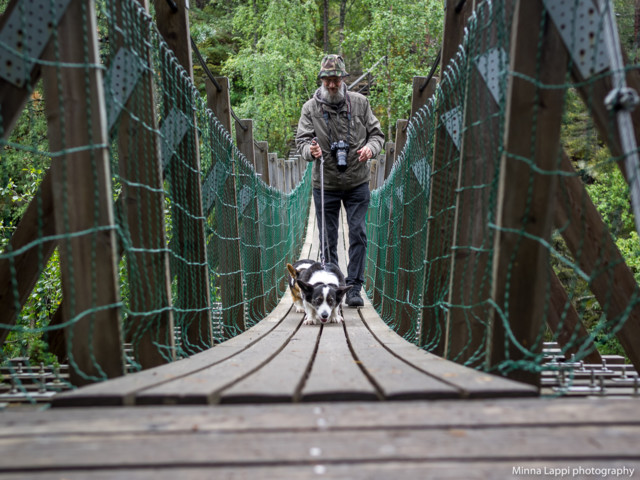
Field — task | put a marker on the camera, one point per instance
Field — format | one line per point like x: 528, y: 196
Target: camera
x: 340, y: 150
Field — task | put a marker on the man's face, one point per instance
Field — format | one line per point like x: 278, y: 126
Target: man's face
x: 332, y: 84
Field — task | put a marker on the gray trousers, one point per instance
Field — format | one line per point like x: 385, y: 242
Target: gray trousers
x: 356, y: 203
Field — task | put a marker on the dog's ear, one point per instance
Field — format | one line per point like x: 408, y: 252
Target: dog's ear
x: 340, y: 291
x: 305, y: 287
x: 292, y: 271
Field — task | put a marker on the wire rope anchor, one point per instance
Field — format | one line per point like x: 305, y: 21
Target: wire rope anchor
x: 622, y: 99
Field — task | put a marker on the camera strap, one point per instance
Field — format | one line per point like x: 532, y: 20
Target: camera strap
x: 325, y: 115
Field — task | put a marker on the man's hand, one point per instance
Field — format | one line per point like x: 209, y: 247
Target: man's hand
x: 365, y: 154
x: 315, y: 149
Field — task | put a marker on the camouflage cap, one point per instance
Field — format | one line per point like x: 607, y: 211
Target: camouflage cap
x: 332, y: 66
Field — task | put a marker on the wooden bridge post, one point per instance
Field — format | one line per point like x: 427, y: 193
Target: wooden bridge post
x: 273, y: 169
x: 82, y: 198
x: 140, y: 165
x: 423, y: 89
x: 525, y: 198
x: 244, y: 140
x: 218, y: 100
x: 469, y: 283
x: 227, y: 232
x: 250, y: 224
x: 596, y: 253
x: 389, y: 299
x: 442, y: 192
x: 282, y: 176
x: 193, y: 282
x: 390, y: 158
x: 413, y: 216
x: 262, y: 161
x: 401, y: 138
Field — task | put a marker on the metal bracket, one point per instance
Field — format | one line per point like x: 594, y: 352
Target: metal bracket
x: 422, y: 171
x: 25, y: 35
x: 453, y: 123
x: 244, y: 197
x: 491, y: 65
x: 173, y: 129
x: 212, y: 183
x: 120, y: 81
x: 580, y: 25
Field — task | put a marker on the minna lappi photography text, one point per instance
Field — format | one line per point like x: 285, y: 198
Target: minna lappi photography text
x: 575, y: 471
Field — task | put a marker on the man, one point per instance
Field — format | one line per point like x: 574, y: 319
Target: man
x: 348, y: 134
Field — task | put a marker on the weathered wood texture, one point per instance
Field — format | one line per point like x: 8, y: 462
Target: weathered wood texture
x: 75, y: 99
x: 186, y: 189
x: 524, y: 215
x: 442, y: 189
x: 140, y: 172
x: 484, y: 439
x: 590, y: 242
x: 470, y: 277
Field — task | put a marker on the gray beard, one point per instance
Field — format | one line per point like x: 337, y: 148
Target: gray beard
x: 330, y: 98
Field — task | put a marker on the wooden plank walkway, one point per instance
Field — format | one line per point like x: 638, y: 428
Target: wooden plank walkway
x: 479, y: 439
x: 282, y: 360
x: 422, y: 430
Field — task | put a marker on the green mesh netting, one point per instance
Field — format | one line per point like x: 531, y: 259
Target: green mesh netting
x: 199, y: 240
x: 432, y: 270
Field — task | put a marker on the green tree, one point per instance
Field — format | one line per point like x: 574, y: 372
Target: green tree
x: 276, y: 64
x: 408, y: 34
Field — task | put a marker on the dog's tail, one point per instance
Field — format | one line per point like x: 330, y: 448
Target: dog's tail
x: 293, y: 274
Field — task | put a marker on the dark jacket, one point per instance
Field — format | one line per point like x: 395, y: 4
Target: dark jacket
x: 363, y: 130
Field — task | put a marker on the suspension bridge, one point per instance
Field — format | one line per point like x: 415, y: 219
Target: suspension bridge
x: 166, y: 240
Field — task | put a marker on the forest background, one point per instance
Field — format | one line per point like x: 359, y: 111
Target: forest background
x: 271, y: 52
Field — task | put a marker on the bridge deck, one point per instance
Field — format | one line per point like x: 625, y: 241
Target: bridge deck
x: 282, y: 360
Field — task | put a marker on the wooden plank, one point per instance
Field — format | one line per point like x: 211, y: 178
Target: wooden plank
x: 524, y: 215
x: 122, y: 391
x: 143, y: 203
x: 194, y: 299
x: 126, y: 451
x: 335, y: 375
x: 595, y: 251
x: 471, y: 470
x: 206, y: 385
x: 393, y: 378
x: 543, y: 413
x: 471, y: 383
x: 37, y: 222
x: 282, y: 378
x: 82, y: 204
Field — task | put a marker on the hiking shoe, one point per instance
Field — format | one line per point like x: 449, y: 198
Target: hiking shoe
x: 354, y: 299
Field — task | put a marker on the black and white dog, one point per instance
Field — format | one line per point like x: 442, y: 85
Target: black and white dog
x: 323, y: 289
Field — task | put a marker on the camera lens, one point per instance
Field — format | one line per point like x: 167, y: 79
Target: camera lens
x: 341, y: 156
